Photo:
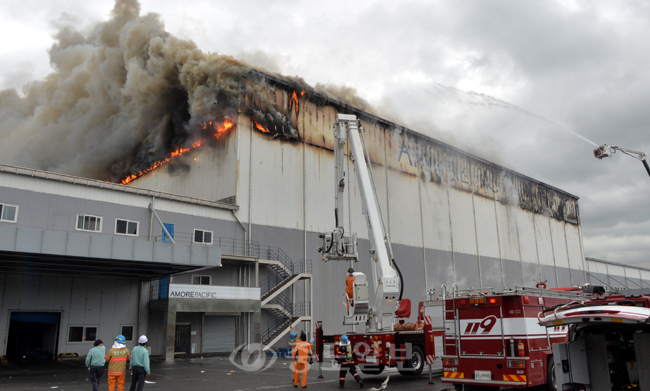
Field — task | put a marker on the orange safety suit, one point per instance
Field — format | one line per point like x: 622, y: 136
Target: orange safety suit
x: 349, y: 290
x: 117, y: 359
x: 301, y: 357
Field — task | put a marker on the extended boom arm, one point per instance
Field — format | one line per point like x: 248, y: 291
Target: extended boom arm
x: 606, y: 151
x: 338, y: 246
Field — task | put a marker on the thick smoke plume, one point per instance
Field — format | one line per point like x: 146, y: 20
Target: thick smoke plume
x: 121, y: 97
x: 127, y: 95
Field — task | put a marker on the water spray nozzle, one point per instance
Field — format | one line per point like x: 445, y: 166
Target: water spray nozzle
x: 603, y: 151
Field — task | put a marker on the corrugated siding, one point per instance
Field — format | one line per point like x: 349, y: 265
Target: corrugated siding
x: 218, y: 334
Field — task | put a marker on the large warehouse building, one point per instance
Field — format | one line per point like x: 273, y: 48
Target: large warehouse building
x: 223, y: 251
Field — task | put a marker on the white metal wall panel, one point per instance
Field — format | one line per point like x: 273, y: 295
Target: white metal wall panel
x: 405, y: 213
x: 278, y: 186
x: 527, y: 238
x: 507, y: 225
x: 29, y: 292
x: 384, y: 182
x: 319, y: 188
x: 213, y: 173
x: 486, y: 227
x: 78, y: 300
x: 243, y: 165
x: 462, y: 222
x: 435, y: 216
x: 574, y: 249
x: 354, y: 222
x: 46, y: 299
x: 163, y: 205
x: 559, y: 244
x: 544, y: 244
x: 218, y: 334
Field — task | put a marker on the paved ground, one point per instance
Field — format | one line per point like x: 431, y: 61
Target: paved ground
x: 197, y: 374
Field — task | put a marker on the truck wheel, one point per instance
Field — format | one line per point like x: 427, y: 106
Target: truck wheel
x: 415, y: 365
x: 551, y: 381
x: 371, y: 369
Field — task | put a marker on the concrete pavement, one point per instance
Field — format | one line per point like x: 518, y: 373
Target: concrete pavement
x: 196, y: 374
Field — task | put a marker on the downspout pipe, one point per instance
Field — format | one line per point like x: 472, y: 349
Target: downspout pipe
x: 161, y: 223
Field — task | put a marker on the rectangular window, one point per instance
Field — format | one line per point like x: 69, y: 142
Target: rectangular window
x: 76, y: 334
x: 90, y: 334
x: 126, y: 227
x: 201, y: 236
x: 89, y: 223
x: 127, y: 332
x: 201, y: 280
x: 8, y: 213
x: 82, y: 333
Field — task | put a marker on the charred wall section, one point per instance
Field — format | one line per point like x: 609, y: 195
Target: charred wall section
x: 288, y: 110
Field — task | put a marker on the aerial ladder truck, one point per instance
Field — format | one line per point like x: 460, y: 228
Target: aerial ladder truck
x: 486, y: 338
x: 378, y: 345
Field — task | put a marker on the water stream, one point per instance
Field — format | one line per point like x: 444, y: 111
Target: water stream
x: 492, y: 101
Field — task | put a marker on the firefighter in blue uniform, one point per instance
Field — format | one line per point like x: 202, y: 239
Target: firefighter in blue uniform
x: 345, y: 356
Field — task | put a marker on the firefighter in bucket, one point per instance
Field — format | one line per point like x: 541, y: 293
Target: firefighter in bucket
x: 345, y: 356
x: 349, y: 289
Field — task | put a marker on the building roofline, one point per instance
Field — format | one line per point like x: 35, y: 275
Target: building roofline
x: 372, y: 117
x: 74, y: 180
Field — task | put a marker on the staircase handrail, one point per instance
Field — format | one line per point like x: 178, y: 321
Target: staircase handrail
x: 271, y: 326
x: 284, y: 302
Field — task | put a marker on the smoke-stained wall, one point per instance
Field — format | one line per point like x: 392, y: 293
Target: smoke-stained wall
x: 452, y: 217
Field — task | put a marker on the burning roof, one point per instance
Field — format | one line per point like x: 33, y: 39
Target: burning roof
x: 128, y: 97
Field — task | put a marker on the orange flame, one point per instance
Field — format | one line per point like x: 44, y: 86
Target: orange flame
x: 261, y: 128
x: 302, y: 93
x: 222, y: 129
x: 294, y: 97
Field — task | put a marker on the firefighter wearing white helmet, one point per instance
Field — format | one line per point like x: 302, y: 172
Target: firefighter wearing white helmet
x: 140, y: 367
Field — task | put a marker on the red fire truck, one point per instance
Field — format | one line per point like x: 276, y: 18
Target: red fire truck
x: 493, y: 339
x: 487, y: 338
x: 409, y: 351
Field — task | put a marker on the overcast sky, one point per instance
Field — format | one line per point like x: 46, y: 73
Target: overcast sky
x: 506, y: 80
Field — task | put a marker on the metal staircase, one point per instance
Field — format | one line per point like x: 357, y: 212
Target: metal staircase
x: 281, y: 328
x: 277, y: 328
x: 282, y: 286
x: 286, y: 314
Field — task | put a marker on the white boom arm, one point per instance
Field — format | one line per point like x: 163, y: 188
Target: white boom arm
x: 337, y: 246
x: 608, y: 150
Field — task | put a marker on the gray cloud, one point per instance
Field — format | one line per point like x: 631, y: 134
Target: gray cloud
x: 579, y: 64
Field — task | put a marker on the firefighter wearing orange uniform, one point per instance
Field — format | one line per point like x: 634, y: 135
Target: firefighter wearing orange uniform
x: 301, y: 357
x: 117, y: 358
x: 349, y: 288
